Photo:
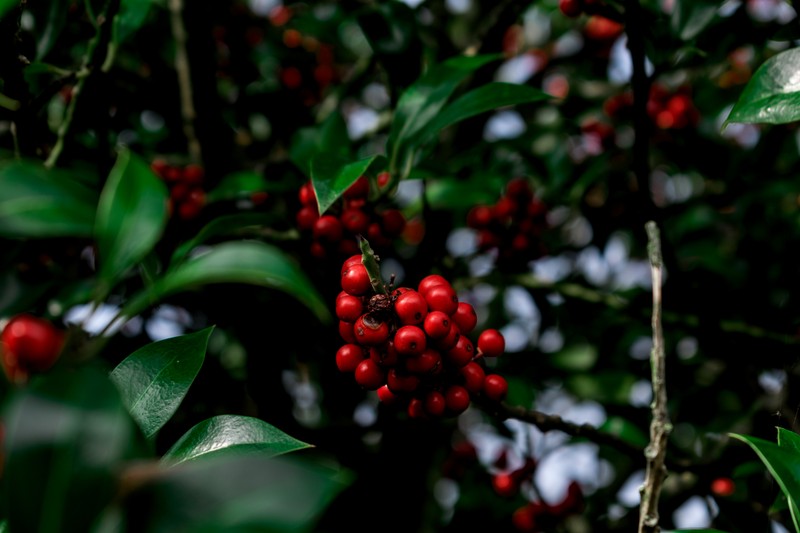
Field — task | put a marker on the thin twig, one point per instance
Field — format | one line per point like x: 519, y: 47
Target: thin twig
x: 188, y: 111
x: 660, y: 426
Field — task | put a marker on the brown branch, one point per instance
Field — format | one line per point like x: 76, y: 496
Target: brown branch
x: 188, y: 111
x: 660, y: 426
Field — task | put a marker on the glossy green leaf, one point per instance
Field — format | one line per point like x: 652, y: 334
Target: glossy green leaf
x: 237, y: 185
x: 250, y: 262
x: 67, y: 435
x: 154, y: 379
x: 625, y: 430
x: 36, y: 202
x: 330, y: 137
x: 480, y: 100
x: 241, y: 225
x: 131, y: 216
x: 132, y: 15
x: 332, y: 175
x: 691, y: 17
x: 231, y: 434
x: 784, y: 465
x: 772, y: 95
x: 236, y: 494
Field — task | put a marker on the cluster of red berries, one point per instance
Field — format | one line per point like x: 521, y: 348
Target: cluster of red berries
x: 514, y: 225
x: 540, y: 516
x: 335, y: 233
x: 29, y: 345
x: 671, y: 110
x: 412, y: 345
x: 186, y: 194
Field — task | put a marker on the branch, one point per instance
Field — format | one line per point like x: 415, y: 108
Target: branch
x: 184, y: 79
x: 660, y: 427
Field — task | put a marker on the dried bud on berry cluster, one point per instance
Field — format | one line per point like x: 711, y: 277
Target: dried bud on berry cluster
x: 334, y: 233
x: 412, y: 345
x: 514, y: 225
x: 186, y: 194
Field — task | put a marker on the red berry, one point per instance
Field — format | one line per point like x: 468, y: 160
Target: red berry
x: 30, y: 344
x: 723, y: 486
x: 172, y: 173
x: 491, y: 343
x: 473, y: 375
x: 430, y: 362
x: 370, y: 331
x: 369, y: 375
x: 437, y: 324
x: 462, y: 353
x: 450, y: 340
x: 570, y: 8
x: 505, y: 485
x: 193, y: 174
x: 385, y: 354
x: 442, y: 298
x: 524, y: 518
x: 456, y: 399
x: 416, y: 408
x: 349, y: 356
x: 359, y: 189
x: 495, y: 387
x: 188, y: 210
x: 179, y: 192
x: 376, y: 236
x: 386, y: 396
x: 430, y: 281
x: 328, y: 229
x: 479, y: 216
x: 435, y: 403
x: 348, y: 307
x: 504, y: 208
x: 307, y: 195
x: 465, y: 318
x: 393, y: 223
x: 318, y: 250
x: 519, y: 190
x: 410, y: 341
x: 350, y: 261
x: 383, y: 179
x: 347, y: 332
x: 572, y: 502
x: 159, y: 166
x: 347, y: 247
x: 401, y: 383
x: 306, y: 218
x: 355, y: 221
x: 411, y: 307
x: 355, y: 280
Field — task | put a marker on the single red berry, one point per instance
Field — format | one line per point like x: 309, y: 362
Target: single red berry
x: 307, y: 195
x: 354, y: 259
x: 328, y: 229
x: 456, y: 399
x: 393, y: 223
x: 359, y: 189
x: 306, y: 218
x: 473, y: 375
x: 355, y: 280
x: 437, y: 324
x: 504, y: 208
x: 386, y: 396
x: 197, y: 196
x: 520, y: 190
x: 416, y: 408
x: 462, y: 353
x: 431, y: 281
x: 193, y: 174
x: 479, y: 216
x: 172, y: 173
x: 400, y: 383
x: 347, y: 332
x: 411, y: 308
x: 435, y: 403
x: 723, y: 486
x: 491, y: 343
x: 348, y: 307
x: 410, y: 341
x: 370, y: 331
x: 570, y: 8
x: 291, y: 77
x: 355, y: 221
x: 369, y: 375
x: 430, y: 362
x: 442, y: 298
x: 572, y: 502
x: 450, y: 340
x: 385, y: 354
x: 349, y: 356
x: 159, y: 166
x: 318, y: 250
x: 495, y: 387
x: 465, y: 318
x: 188, y: 210
x: 520, y: 242
x: 179, y: 191
x: 376, y: 236
x: 30, y: 344
x: 383, y: 179
x: 524, y: 518
x: 505, y: 485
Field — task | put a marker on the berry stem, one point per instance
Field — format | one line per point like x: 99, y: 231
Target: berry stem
x: 370, y: 262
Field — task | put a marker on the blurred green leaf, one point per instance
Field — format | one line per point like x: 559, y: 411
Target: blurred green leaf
x: 56, y: 18
x: 575, y: 358
x: 36, y: 202
x: 330, y: 137
x: 236, y: 494
x: 154, y: 379
x: 452, y: 193
x: 625, y: 430
x: 480, y: 100
x: 6, y: 5
x: 67, y: 435
x: 241, y: 224
x: 237, y: 185
x: 690, y: 17
x: 231, y: 434
x: 131, y: 216
x: 605, y: 387
x: 249, y: 262
x: 784, y: 465
x: 332, y: 175
x: 788, y: 439
x: 132, y: 15
x: 772, y: 96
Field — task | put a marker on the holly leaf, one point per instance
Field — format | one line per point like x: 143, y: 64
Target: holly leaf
x: 772, y: 96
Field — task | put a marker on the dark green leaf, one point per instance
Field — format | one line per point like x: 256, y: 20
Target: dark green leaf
x: 131, y: 216
x: 575, y: 358
x: 67, y: 435
x: 154, y: 379
x: 132, y: 15
x: 462, y: 194
x: 690, y: 17
x: 231, y: 434
x: 237, y: 185
x: 250, y: 262
x: 56, y: 17
x: 242, y: 224
x: 625, y: 430
x: 604, y: 387
x: 772, y: 95
x: 6, y: 5
x: 236, y: 494
x: 36, y: 202
x: 332, y: 175
x: 783, y: 464
x: 484, y: 98
x: 393, y: 35
x: 788, y: 439
x: 330, y: 137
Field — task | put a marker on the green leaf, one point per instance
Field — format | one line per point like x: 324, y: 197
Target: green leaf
x: 690, y: 17
x: 231, y: 434
x: 131, y: 216
x: 772, y: 96
x: 36, y: 202
x: 67, y: 436
x: 484, y: 98
x: 610, y: 387
x: 330, y: 137
x: 6, y: 5
x: 452, y: 193
x: 236, y: 494
x: 625, y: 430
x: 56, y: 18
x: 576, y: 358
x: 132, y: 15
x: 250, y: 262
x: 154, y: 379
x: 237, y: 185
x: 422, y: 101
x: 241, y: 224
x: 788, y: 439
x: 332, y: 175
x: 784, y: 465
